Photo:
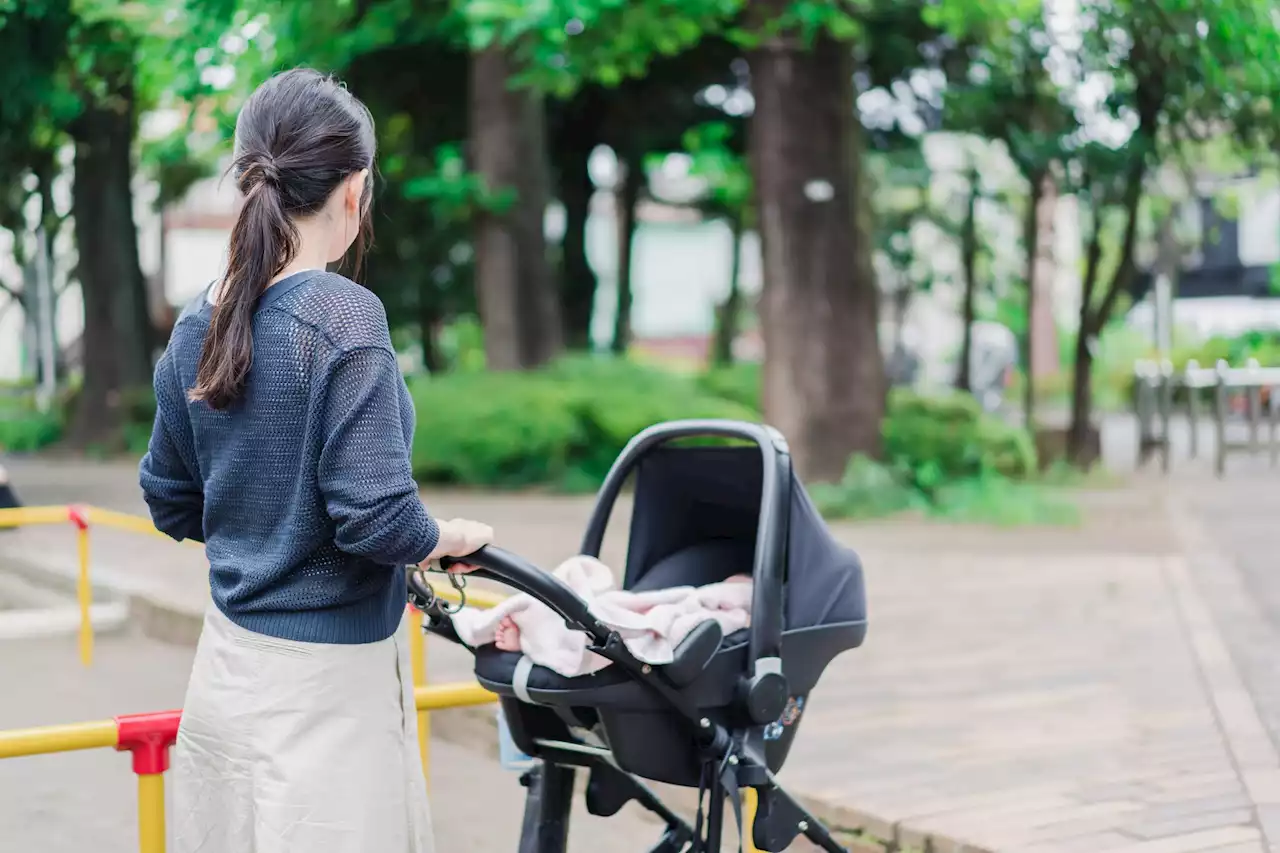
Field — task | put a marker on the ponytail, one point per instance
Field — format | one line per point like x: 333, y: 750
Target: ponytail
x: 263, y: 242
x: 298, y: 137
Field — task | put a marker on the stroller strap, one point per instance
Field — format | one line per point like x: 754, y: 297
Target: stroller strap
x: 727, y: 777
x: 729, y: 782
x: 520, y: 679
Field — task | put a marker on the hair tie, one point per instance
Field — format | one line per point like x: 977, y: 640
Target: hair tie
x: 260, y: 171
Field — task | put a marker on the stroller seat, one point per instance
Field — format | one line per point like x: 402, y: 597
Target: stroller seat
x: 725, y: 711
x: 698, y: 565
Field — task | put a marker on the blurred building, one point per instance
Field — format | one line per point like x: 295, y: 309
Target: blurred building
x: 1228, y: 279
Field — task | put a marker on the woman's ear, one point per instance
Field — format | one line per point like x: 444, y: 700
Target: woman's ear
x: 355, y: 191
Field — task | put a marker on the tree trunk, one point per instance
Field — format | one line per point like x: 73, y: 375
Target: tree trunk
x: 428, y: 327
x: 32, y: 321
x: 1030, y: 243
x: 626, y: 199
x: 116, y: 346
x: 163, y: 314
x: 1094, y: 317
x: 1081, y: 400
x: 968, y: 268
x: 1043, y: 357
x: 515, y: 289
x: 729, y: 312
x: 824, y: 385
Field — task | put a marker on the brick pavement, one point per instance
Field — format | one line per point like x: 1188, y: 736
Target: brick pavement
x: 1052, y: 691
x: 1228, y: 529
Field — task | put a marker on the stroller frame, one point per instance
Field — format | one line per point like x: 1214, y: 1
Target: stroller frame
x: 731, y: 758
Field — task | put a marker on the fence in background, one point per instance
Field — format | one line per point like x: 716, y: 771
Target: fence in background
x: 1160, y: 392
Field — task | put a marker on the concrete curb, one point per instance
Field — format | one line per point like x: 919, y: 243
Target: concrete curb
x: 49, y: 604
x: 61, y: 581
x: 156, y: 618
x: 1256, y: 758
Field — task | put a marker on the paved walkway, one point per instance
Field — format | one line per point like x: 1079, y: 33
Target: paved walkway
x: 85, y: 801
x: 1030, y: 690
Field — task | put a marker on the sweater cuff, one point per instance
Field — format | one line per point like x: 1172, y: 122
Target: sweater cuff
x: 429, y: 543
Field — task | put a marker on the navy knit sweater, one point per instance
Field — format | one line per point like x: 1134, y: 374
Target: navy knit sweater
x: 301, y: 490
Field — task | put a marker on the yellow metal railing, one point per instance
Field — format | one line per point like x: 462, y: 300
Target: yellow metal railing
x: 84, y: 518
x: 151, y: 735
x: 148, y: 738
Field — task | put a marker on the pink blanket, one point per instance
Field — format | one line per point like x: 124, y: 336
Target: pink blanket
x: 652, y: 624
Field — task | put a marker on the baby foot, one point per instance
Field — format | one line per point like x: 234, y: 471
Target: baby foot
x: 507, y: 637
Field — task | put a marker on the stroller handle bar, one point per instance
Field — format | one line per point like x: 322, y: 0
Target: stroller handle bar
x: 768, y: 573
x: 520, y: 574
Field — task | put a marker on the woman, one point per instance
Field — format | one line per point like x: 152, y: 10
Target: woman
x: 281, y: 441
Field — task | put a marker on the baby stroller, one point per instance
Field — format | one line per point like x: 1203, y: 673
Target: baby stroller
x: 722, y: 715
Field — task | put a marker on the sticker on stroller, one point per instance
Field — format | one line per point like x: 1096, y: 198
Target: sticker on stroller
x: 790, y: 714
x: 509, y: 755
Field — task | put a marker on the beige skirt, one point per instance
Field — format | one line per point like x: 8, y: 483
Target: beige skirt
x: 289, y: 747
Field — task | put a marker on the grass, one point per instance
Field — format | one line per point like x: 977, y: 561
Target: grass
x: 871, y: 490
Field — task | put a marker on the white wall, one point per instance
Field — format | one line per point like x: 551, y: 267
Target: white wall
x: 1260, y: 224
x: 11, y: 318
x: 196, y: 257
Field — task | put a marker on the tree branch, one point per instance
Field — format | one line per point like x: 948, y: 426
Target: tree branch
x: 1126, y: 268
x: 1093, y: 260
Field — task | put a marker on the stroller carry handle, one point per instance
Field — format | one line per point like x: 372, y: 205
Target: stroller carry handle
x: 520, y: 574
x: 768, y: 572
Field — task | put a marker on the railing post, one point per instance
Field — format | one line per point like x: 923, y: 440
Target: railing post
x: 1166, y: 409
x: 79, y: 518
x: 418, y: 664
x: 148, y: 738
x: 1254, y: 397
x: 1143, y: 391
x: 1273, y: 418
x: 1220, y: 416
x: 151, y: 823
x: 1191, y: 376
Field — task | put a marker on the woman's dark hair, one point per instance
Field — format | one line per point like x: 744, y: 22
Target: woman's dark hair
x: 298, y: 137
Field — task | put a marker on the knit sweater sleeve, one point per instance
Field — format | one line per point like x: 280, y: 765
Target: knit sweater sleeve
x: 364, y: 471
x: 167, y: 474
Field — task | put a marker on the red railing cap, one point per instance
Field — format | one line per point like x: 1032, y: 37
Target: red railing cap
x: 79, y: 516
x: 148, y: 737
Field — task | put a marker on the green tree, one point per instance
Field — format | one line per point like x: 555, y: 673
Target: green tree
x: 716, y: 152
x: 1008, y: 94
x: 1181, y: 71
x: 34, y: 39
x: 86, y: 72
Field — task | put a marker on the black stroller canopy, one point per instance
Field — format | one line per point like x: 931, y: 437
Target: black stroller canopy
x: 686, y: 497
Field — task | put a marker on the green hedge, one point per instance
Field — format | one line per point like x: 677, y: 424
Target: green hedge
x: 933, y: 436
x: 561, y: 426
x: 22, y: 428
x: 932, y: 440
x: 564, y: 425
x: 27, y: 432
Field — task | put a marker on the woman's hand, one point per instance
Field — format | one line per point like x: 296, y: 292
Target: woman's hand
x: 458, y: 538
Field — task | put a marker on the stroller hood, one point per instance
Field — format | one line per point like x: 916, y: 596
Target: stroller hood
x: 692, y: 497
